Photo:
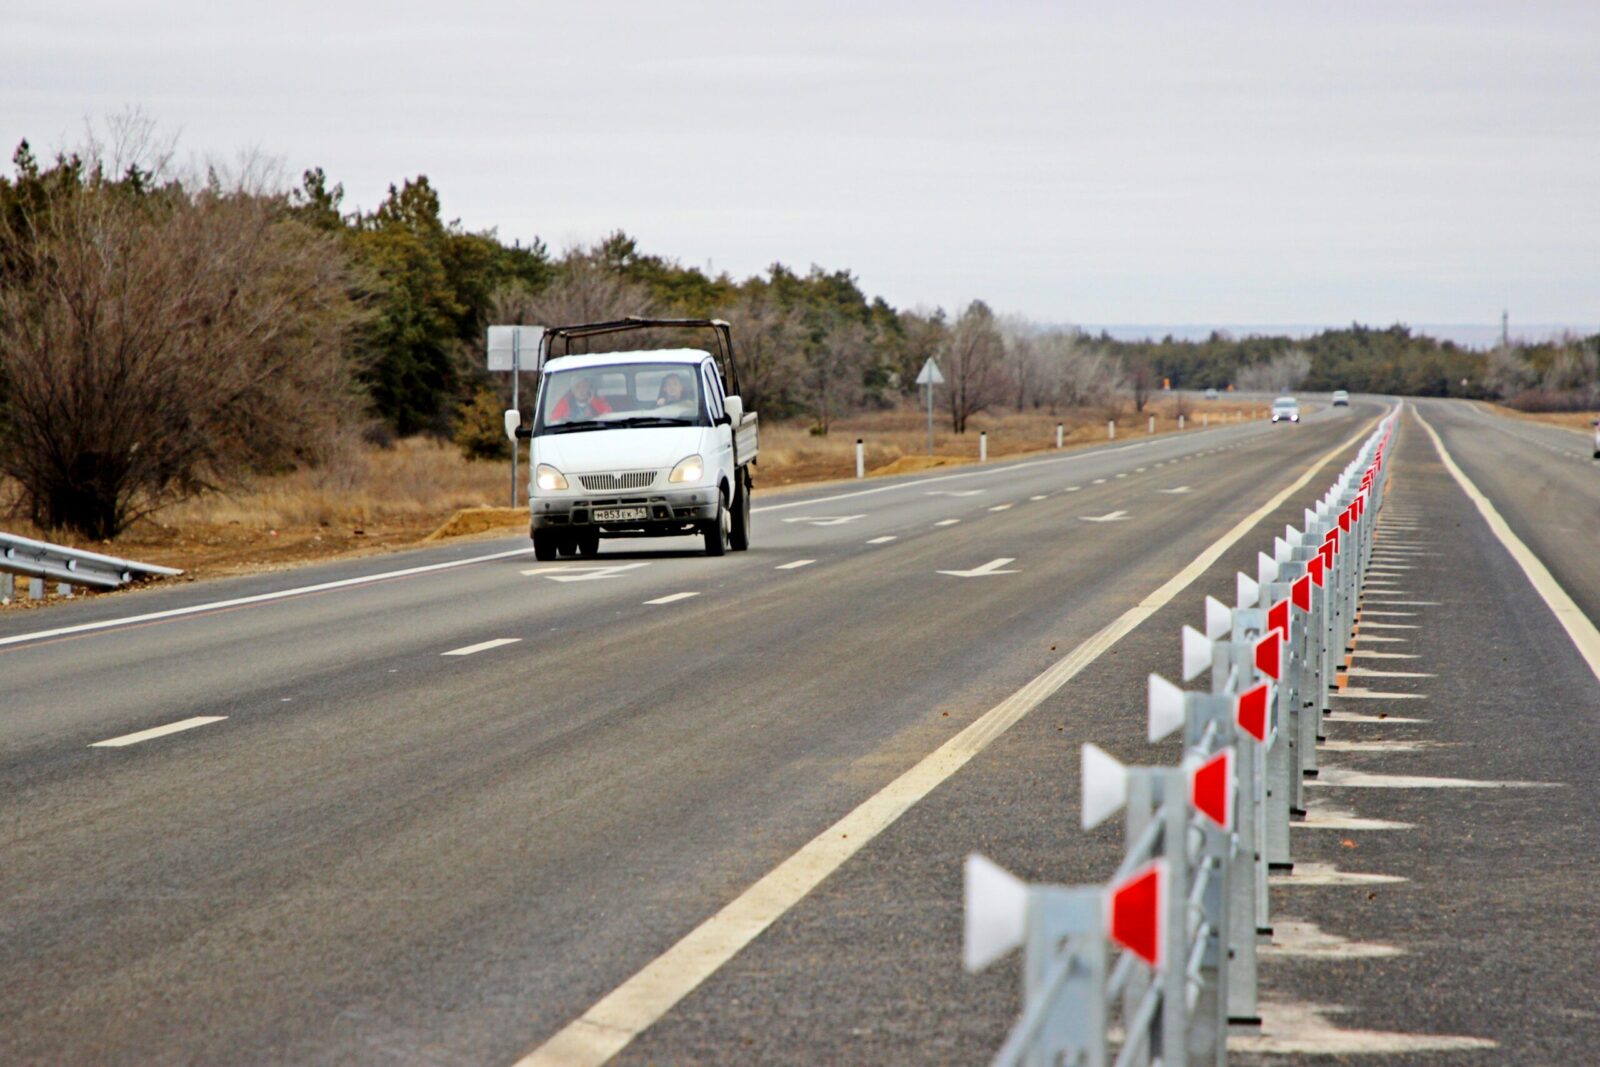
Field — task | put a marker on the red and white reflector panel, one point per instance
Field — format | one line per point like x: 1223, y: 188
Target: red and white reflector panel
x: 1300, y: 592
x: 1105, y: 785
x: 1278, y: 618
x: 1328, y: 550
x: 1344, y: 519
x: 1211, y: 787
x: 1219, y: 619
x: 1137, y: 919
x: 1196, y: 653
x: 1315, y: 567
x: 1166, y: 708
x: 1269, y: 655
x: 996, y: 912
x: 1251, y: 713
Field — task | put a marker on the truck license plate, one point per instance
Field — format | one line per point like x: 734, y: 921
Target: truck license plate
x: 620, y: 514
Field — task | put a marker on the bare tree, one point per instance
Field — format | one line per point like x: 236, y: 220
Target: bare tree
x: 587, y: 290
x: 1140, y: 376
x: 1281, y: 374
x: 159, y: 340
x: 1024, y: 364
x: 770, y: 339
x: 975, y: 373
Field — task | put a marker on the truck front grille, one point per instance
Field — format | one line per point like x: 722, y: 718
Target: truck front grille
x: 623, y: 480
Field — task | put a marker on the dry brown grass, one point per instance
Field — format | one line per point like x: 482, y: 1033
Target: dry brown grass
x: 896, y: 442
x: 1582, y: 421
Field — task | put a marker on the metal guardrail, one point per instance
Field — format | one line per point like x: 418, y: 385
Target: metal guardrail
x: 42, y: 561
x: 1182, y: 913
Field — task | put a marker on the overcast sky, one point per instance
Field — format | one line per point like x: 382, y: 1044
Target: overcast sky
x: 1179, y: 162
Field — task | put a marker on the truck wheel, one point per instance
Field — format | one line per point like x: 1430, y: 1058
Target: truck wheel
x: 589, y: 543
x: 544, y: 545
x: 718, y: 530
x: 568, y: 545
x: 739, y: 536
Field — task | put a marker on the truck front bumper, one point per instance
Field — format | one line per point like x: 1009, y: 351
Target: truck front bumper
x: 666, y: 513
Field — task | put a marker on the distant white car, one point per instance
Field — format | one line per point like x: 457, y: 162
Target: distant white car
x: 1286, y: 409
x: 1341, y: 399
x: 1211, y: 394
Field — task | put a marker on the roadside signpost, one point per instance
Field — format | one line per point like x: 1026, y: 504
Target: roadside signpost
x: 929, y: 377
x: 506, y: 345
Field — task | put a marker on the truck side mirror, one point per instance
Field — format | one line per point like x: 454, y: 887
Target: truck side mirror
x: 734, y: 406
x: 513, y: 420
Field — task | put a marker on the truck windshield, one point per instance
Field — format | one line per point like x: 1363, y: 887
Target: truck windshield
x: 625, y: 394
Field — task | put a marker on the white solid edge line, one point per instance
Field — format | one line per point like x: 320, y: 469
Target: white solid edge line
x: 609, y: 1025
x: 1571, y: 617
x: 259, y: 598
x: 796, y: 565
x: 671, y: 598
x: 158, y: 731
x: 481, y: 647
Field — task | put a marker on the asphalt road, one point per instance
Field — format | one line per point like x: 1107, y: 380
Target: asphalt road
x: 376, y: 851
x: 1451, y: 914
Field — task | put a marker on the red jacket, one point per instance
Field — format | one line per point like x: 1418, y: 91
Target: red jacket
x: 563, y: 409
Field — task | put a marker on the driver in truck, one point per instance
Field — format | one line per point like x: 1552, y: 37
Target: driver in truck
x: 674, y: 393
x: 581, y: 402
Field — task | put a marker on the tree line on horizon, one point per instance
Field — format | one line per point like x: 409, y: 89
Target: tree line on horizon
x: 162, y: 333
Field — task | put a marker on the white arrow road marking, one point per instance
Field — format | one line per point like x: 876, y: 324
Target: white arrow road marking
x: 992, y: 567
x: 826, y: 520
x: 671, y: 598
x: 1179, y: 489
x: 158, y: 731
x: 584, y: 574
x: 954, y: 492
x: 1110, y: 516
x: 796, y: 565
x: 482, y: 647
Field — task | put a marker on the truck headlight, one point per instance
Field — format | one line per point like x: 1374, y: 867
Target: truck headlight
x: 547, y: 477
x: 689, y: 469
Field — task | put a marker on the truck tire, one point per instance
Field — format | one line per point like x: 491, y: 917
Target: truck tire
x: 718, y: 529
x: 739, y: 536
x: 568, y: 545
x: 544, y: 545
x: 589, y: 543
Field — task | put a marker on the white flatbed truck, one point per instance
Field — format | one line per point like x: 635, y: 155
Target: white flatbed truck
x: 644, y: 442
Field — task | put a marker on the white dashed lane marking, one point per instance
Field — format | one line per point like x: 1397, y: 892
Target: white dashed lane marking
x: 158, y: 731
x: 482, y: 646
x: 796, y: 565
x: 885, y: 539
x: 671, y: 598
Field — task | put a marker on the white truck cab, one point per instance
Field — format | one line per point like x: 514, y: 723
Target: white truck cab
x: 638, y: 443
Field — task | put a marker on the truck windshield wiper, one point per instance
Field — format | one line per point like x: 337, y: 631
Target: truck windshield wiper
x: 657, y: 420
x: 579, y: 425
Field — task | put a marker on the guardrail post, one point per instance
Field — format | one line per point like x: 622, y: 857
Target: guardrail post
x: 1064, y: 921
x: 35, y: 588
x: 861, y: 459
x: 983, y: 446
x: 1060, y: 435
x: 8, y: 587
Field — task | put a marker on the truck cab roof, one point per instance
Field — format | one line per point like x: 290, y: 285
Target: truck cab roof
x: 643, y: 355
